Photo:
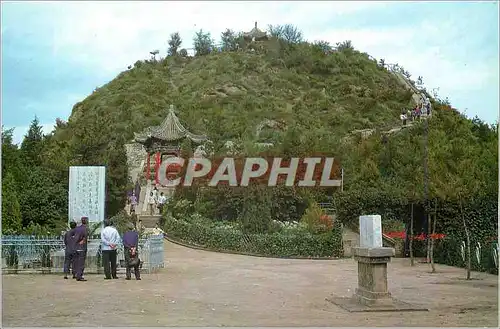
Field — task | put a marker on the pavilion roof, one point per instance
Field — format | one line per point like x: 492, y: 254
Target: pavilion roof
x: 255, y: 33
x: 169, y: 130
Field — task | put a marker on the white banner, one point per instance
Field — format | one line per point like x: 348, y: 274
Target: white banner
x: 87, y: 193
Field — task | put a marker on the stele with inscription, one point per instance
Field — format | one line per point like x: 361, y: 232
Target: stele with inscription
x: 370, y: 231
x: 86, y: 193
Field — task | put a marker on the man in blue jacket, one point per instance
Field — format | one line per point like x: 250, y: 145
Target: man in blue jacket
x: 81, y: 238
x: 130, y: 248
x: 69, y: 251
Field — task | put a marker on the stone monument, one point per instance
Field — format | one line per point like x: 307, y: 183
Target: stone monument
x: 372, y: 293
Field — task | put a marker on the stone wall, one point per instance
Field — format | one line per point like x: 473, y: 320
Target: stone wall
x: 136, y: 154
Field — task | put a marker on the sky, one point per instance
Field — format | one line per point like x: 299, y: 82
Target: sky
x: 55, y: 53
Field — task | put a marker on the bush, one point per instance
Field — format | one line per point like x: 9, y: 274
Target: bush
x: 316, y: 220
x: 288, y: 243
x: 449, y: 252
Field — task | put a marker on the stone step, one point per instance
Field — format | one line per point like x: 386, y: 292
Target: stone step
x: 149, y: 221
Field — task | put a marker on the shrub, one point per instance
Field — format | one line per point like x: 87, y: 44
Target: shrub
x: 289, y: 243
x: 316, y: 220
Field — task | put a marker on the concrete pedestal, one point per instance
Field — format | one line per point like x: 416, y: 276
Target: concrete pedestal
x: 372, y: 294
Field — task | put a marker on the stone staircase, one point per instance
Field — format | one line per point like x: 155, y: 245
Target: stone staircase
x: 149, y: 221
x: 142, y: 211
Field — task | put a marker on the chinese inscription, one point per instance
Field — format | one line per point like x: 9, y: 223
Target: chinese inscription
x: 86, y: 193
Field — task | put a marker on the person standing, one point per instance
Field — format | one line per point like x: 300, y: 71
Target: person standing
x: 130, y: 247
x: 81, y: 239
x: 133, y: 219
x: 151, y: 203
x: 110, y: 238
x: 69, y: 250
x: 140, y: 227
x: 133, y: 202
x: 403, y: 118
x: 161, y: 202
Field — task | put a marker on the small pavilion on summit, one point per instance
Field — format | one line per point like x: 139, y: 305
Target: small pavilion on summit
x: 255, y: 34
x: 164, y: 141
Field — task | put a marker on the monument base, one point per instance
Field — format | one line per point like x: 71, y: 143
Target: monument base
x: 372, y: 294
x: 353, y: 304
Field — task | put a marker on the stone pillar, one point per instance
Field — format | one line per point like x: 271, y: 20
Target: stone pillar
x: 372, y: 261
x: 372, y: 294
x: 372, y: 275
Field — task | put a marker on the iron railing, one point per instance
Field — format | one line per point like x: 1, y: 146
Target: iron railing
x: 46, y: 254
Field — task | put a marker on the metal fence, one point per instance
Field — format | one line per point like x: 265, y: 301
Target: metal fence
x: 28, y: 254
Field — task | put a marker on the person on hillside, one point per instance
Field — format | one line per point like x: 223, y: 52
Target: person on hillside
x: 130, y: 248
x: 409, y: 114
x: 133, y: 202
x: 81, y: 239
x: 69, y: 250
x: 161, y: 202
x: 151, y: 203
x: 110, y: 238
x: 403, y: 119
x: 417, y: 112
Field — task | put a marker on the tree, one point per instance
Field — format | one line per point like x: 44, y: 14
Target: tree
x: 456, y: 171
x: 203, y: 43
x: 288, y: 33
x: 292, y: 34
x: 117, y: 181
x: 345, y: 45
x: 229, y: 40
x: 275, y: 31
x: 32, y: 145
x: 174, y: 43
x: 324, y: 46
x: 153, y: 54
x: 11, y: 211
x: 43, y: 199
x: 10, y: 153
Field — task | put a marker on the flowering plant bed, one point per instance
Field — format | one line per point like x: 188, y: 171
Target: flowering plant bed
x: 419, y: 237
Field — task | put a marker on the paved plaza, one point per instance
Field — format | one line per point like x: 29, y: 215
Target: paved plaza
x: 199, y: 288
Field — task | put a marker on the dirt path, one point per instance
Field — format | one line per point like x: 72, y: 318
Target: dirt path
x: 199, y: 288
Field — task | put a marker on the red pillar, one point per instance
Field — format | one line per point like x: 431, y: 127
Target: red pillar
x: 148, y: 166
x: 157, y: 166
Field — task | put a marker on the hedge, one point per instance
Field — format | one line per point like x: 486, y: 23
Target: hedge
x: 448, y: 252
x: 285, y: 244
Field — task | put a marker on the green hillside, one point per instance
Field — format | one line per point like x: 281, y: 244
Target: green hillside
x: 320, y: 93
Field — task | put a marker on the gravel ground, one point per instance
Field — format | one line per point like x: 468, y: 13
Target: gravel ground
x: 199, y: 288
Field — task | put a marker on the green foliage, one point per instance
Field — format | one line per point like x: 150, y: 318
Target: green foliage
x: 255, y: 215
x: 203, y: 43
x: 370, y: 201
x: 174, y: 43
x: 11, y: 211
x: 288, y: 33
x: 32, y: 145
x: 42, y: 198
x: 229, y: 40
x: 449, y: 252
x: 295, y: 243
x: 313, y: 219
